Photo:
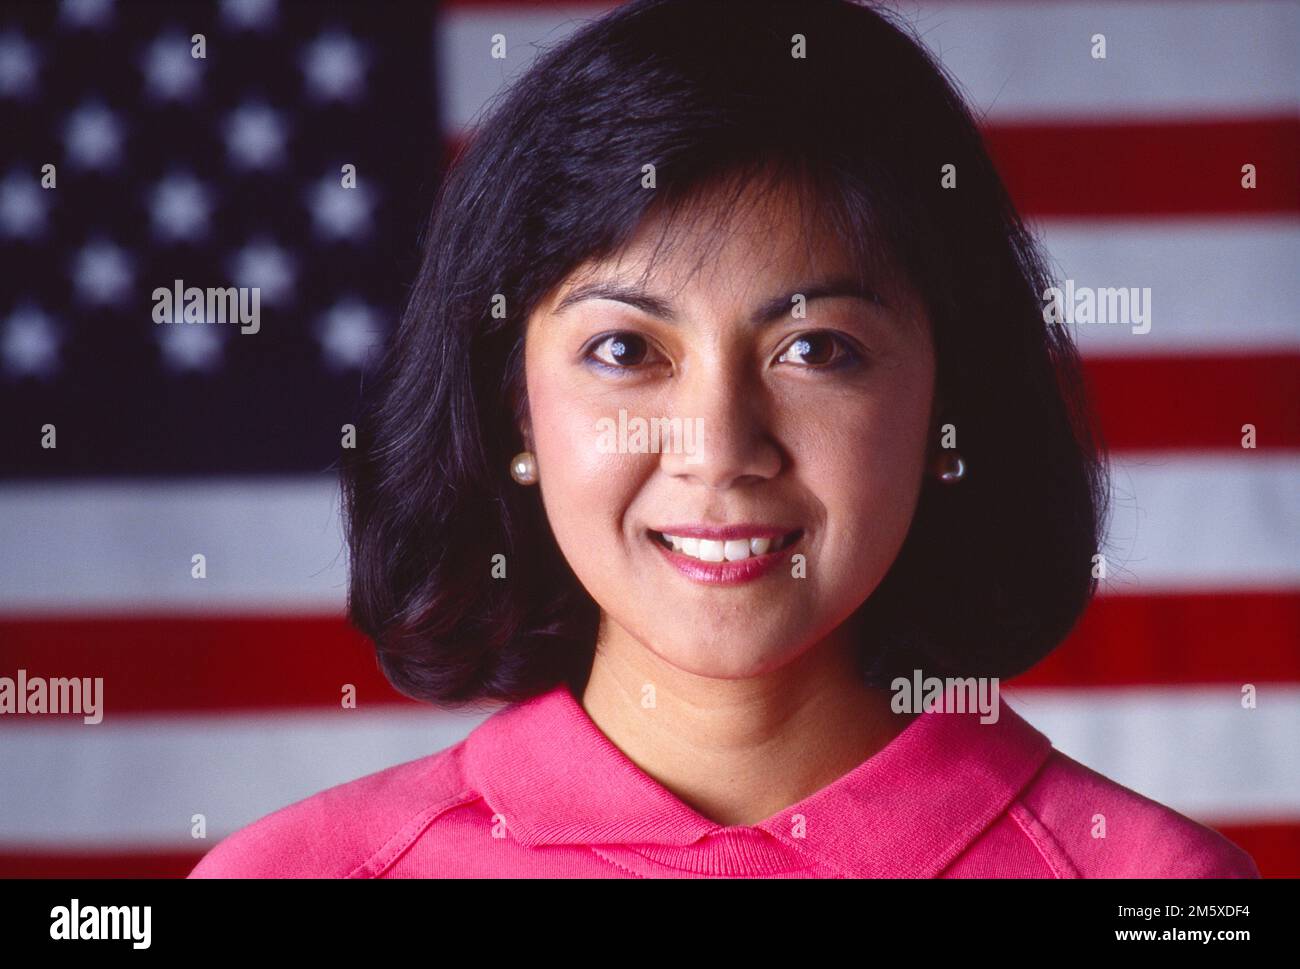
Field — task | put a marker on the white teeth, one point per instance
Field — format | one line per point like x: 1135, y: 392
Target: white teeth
x: 710, y: 550
x: 736, y: 549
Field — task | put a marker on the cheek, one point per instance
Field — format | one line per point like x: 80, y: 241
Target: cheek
x: 584, y: 491
x: 864, y: 462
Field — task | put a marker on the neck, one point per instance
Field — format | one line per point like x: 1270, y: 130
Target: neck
x: 738, y: 751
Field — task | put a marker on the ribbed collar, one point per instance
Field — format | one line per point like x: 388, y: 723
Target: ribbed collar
x: 907, y: 811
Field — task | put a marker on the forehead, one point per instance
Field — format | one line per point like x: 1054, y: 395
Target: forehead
x: 725, y: 240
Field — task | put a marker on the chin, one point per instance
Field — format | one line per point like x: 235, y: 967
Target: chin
x: 720, y: 661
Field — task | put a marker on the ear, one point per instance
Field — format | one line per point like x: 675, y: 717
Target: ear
x: 519, y: 408
x: 933, y: 450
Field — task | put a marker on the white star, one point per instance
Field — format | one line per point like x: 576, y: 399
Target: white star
x: 30, y: 344
x: 248, y: 14
x: 350, y: 333
x: 188, y: 346
x: 22, y: 206
x: 18, y: 65
x: 266, y: 266
x: 170, y: 72
x: 92, y: 137
x: 340, y: 212
x: 87, y: 13
x: 255, y: 136
x: 335, y: 66
x: 180, y: 207
x: 102, y: 273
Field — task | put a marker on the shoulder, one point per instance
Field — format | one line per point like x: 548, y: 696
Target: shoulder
x: 354, y: 829
x: 1087, y: 825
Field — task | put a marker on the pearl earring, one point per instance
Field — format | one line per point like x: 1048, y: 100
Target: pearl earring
x: 523, y: 468
x: 950, y: 468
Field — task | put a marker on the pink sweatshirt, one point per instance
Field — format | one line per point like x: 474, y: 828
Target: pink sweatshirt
x: 537, y: 791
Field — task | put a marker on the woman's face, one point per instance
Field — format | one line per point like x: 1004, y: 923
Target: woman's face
x: 825, y: 437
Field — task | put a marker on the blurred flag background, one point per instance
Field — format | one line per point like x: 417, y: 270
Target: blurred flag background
x: 222, y: 695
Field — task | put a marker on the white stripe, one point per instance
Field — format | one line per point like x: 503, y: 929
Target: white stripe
x: 1195, y: 750
x: 136, y: 782
x: 1193, y: 523
x: 1178, y: 523
x: 1015, y: 61
x: 1223, y: 286
x: 139, y: 780
x: 117, y: 547
x: 1021, y: 61
x: 469, y: 76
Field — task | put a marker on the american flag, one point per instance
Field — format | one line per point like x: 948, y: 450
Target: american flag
x: 222, y: 695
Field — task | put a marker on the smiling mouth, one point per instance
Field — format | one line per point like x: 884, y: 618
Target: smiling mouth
x: 718, y: 550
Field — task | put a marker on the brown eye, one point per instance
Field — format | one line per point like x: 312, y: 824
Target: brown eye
x: 812, y: 350
x: 623, y: 350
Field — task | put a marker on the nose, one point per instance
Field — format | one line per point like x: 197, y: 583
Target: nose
x: 726, y: 429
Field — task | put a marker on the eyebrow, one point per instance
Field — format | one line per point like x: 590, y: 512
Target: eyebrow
x: 767, y: 312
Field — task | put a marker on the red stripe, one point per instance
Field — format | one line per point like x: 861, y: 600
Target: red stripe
x: 173, y: 664
x: 47, y: 864
x: 1145, y: 169
x: 1274, y: 846
x: 1155, y: 168
x: 1179, y: 403
x: 1180, y: 640
x: 170, y: 665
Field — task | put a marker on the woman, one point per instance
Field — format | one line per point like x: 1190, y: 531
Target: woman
x: 735, y: 295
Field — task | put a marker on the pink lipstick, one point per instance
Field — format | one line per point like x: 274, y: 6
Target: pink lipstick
x: 726, y: 573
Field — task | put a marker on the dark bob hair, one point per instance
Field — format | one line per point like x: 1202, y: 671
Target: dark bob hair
x: 994, y: 571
